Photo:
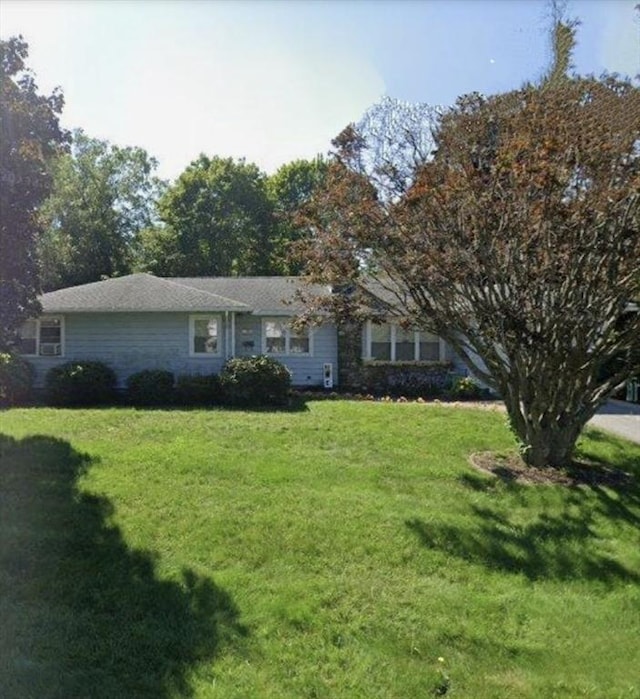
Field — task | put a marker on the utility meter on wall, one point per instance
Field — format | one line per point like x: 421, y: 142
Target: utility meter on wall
x: 327, y: 373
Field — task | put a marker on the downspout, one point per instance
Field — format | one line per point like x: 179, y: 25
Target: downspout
x: 226, y: 335
x: 233, y: 334
x: 367, y: 340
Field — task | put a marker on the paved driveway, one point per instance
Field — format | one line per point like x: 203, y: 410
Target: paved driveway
x: 620, y: 418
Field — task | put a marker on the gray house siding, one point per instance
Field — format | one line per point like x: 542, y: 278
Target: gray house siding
x: 306, y: 370
x: 131, y: 342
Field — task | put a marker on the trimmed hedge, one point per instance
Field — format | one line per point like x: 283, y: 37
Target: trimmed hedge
x: 408, y: 379
x: 16, y: 379
x: 198, y: 390
x: 80, y: 383
x: 255, y: 381
x: 151, y: 387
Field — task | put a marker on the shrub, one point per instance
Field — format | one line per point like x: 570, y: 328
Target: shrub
x: 253, y: 381
x: 465, y: 388
x: 150, y: 387
x: 80, y: 383
x: 408, y: 379
x: 16, y: 379
x: 198, y: 390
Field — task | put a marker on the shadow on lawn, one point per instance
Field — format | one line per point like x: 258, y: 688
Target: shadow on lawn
x: 561, y: 543
x: 624, y: 458
x: 83, y: 615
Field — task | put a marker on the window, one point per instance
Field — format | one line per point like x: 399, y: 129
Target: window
x: 388, y: 342
x: 405, y: 345
x: 275, y: 337
x: 299, y: 341
x: 204, y: 335
x: 28, y: 337
x: 41, y: 337
x: 380, y: 343
x: 280, y: 338
x: 430, y: 347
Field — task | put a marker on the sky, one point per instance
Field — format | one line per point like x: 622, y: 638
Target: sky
x: 275, y: 80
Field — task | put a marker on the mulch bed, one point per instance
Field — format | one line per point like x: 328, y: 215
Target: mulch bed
x: 512, y: 468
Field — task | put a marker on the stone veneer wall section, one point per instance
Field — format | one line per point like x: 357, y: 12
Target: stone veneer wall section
x: 410, y: 379
x: 350, y: 355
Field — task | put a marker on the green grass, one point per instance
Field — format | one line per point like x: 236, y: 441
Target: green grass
x: 336, y: 551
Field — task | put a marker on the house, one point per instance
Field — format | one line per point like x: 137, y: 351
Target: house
x: 193, y: 325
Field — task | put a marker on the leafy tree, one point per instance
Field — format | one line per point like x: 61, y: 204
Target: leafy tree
x: 289, y: 189
x: 157, y: 250
x: 518, y: 242
x: 30, y: 135
x: 218, y: 221
x: 102, y: 196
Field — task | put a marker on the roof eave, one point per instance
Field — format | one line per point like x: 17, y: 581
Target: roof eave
x: 223, y: 309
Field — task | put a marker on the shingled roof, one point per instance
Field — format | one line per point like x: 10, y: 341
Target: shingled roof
x: 136, y: 292
x: 147, y: 293
x: 264, y: 295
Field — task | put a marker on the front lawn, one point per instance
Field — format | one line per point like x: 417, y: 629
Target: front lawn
x: 347, y: 550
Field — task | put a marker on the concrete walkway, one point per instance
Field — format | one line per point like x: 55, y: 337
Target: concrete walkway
x: 620, y: 418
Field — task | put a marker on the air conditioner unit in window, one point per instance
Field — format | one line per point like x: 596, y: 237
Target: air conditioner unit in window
x: 50, y: 349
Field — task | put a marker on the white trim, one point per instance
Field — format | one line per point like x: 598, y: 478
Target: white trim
x: 367, y: 353
x: 226, y: 335
x: 233, y: 334
x: 367, y: 340
x: 392, y: 340
x: 50, y: 345
x: 192, y: 334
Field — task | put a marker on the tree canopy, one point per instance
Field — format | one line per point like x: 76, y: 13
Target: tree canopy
x: 103, y: 195
x: 217, y: 221
x: 518, y: 242
x: 289, y: 189
x: 30, y: 135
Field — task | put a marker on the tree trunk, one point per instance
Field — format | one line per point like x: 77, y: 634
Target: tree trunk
x: 548, y: 438
x: 550, y: 447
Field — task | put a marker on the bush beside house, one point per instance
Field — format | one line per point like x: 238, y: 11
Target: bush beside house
x: 16, y: 379
x: 255, y: 381
x: 465, y: 388
x: 246, y: 382
x: 408, y: 379
x: 80, y: 383
x: 150, y: 387
x: 198, y: 390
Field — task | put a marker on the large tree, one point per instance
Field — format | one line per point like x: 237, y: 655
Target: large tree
x: 103, y: 195
x: 30, y: 135
x: 518, y: 242
x: 217, y: 221
x: 290, y: 188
